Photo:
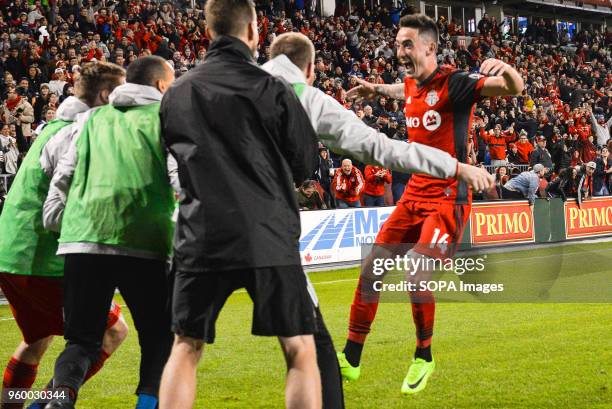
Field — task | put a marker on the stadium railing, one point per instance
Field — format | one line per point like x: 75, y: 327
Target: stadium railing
x: 522, y: 168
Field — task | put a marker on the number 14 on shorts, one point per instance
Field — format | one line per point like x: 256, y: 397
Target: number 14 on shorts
x: 439, y: 241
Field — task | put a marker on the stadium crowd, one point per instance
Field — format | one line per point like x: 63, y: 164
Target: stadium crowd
x: 562, y: 120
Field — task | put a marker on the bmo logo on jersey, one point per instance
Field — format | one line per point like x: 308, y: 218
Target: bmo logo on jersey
x: 432, y: 120
x: 413, y: 122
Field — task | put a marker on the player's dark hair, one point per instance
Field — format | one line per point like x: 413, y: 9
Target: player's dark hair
x: 423, y: 24
x: 147, y: 70
x: 408, y: 10
x: 229, y: 17
x: 96, y: 77
x: 296, y: 46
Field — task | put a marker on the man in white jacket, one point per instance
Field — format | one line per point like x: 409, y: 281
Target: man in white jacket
x: 601, y: 128
x: 343, y: 132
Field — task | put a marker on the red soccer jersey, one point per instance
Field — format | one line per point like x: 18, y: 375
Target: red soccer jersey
x: 439, y: 113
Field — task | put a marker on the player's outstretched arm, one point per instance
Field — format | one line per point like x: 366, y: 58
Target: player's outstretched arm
x: 477, y: 178
x: 502, y: 79
x: 370, y: 91
x: 344, y: 133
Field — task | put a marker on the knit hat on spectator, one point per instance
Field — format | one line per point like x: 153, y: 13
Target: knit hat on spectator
x: 538, y: 167
x: 44, y: 85
x: 591, y: 165
x: 523, y: 132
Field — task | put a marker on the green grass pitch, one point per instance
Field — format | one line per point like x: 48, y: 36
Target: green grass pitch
x: 488, y: 355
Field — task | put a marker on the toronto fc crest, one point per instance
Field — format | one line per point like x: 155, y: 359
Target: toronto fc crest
x: 432, y: 98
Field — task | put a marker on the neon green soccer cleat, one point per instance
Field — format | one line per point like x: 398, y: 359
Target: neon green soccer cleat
x: 349, y: 372
x: 418, y: 374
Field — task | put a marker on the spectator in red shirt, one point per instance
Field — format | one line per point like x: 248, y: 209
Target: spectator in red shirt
x: 496, y: 140
x: 523, y: 148
x: 374, y: 192
x: 349, y: 184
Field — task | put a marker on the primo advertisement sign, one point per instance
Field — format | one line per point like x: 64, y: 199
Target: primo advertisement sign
x: 593, y: 218
x: 498, y: 223
x: 331, y: 236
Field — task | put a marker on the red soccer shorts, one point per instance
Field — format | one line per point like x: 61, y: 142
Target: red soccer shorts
x: 434, y: 228
x: 37, y: 305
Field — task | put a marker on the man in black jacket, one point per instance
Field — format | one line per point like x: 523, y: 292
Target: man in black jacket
x: 561, y: 155
x: 541, y: 154
x: 238, y: 223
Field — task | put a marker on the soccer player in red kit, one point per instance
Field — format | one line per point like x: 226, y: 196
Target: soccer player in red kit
x: 432, y: 212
